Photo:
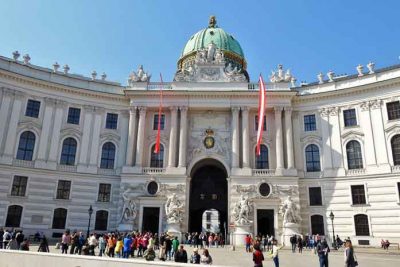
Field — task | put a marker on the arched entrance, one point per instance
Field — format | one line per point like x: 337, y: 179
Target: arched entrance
x: 208, y: 190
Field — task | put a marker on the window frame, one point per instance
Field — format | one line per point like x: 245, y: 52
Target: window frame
x: 256, y: 161
x: 65, y: 220
x: 394, y: 112
x: 108, y: 163
x: 63, y: 189
x: 256, y: 123
x: 312, y: 156
x: 20, y: 218
x: 361, y: 153
x: 355, y: 225
x: 395, y: 156
x: 157, y: 161
x: 26, y: 150
x: 69, y: 154
x: 320, y: 194
x: 305, y: 124
x: 34, y: 111
x: 162, y: 122
x: 347, y: 121
x: 110, y: 123
x: 323, y: 223
x: 72, y: 117
x: 358, y: 195
x: 96, y: 228
x: 13, y: 185
x: 102, y: 194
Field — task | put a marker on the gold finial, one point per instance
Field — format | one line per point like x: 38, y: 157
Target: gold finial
x: 212, y: 22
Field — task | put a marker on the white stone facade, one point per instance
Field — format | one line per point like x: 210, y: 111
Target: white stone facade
x: 194, y: 110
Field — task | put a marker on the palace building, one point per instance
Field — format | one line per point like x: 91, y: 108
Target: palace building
x: 68, y: 142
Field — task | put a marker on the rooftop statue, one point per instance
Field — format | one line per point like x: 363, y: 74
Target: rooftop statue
x: 139, y: 76
x: 212, y: 22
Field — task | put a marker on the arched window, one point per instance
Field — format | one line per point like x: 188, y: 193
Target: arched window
x: 68, y: 152
x: 26, y: 146
x: 313, y: 163
x: 396, y: 149
x: 157, y: 159
x: 361, y: 224
x: 354, y: 155
x: 59, y: 218
x: 14, y: 215
x: 262, y: 159
x: 317, y: 225
x: 107, y: 156
x: 101, y: 220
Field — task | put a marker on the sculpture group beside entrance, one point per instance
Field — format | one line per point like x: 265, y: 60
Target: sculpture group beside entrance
x: 291, y: 219
x: 241, y: 212
x: 174, y: 210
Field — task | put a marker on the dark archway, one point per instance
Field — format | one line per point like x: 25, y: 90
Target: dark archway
x: 208, y: 190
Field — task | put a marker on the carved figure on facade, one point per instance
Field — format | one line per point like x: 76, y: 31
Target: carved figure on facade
x: 129, y: 211
x: 139, y: 76
x: 197, y: 146
x: 174, y: 209
x: 280, y: 75
x: 290, y: 211
x: 241, y: 211
x: 167, y: 189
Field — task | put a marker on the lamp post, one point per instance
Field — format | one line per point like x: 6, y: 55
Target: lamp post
x: 90, y: 211
x: 332, y: 216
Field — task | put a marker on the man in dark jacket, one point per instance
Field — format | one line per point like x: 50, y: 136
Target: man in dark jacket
x: 168, y: 247
x: 181, y: 255
x: 323, y: 250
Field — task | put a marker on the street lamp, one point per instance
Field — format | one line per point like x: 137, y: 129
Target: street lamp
x: 332, y: 216
x: 90, y: 211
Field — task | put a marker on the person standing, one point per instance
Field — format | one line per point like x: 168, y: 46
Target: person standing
x: 6, y: 238
x: 20, y: 238
x: 275, y: 252
x: 300, y: 244
x: 44, y: 245
x: 175, y: 246
x: 349, y: 260
x: 323, y: 251
x: 181, y: 255
x: 74, y: 242
x: 65, y: 241
x: 127, y: 246
x: 258, y: 257
x: 247, y: 240
x: 293, y: 242
x: 162, y: 252
x: 168, y: 247
x: 102, y: 245
x: 92, y: 242
x: 118, y: 247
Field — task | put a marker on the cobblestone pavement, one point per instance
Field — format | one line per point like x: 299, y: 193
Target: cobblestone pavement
x: 227, y: 257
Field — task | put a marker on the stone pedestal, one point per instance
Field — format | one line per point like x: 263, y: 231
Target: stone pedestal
x: 240, y: 233
x: 174, y: 229
x: 289, y: 229
x: 125, y: 227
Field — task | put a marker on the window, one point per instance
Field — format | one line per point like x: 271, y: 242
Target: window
x: 19, y: 186
x: 264, y: 123
x: 26, y: 146
x: 395, y: 142
x: 317, y: 225
x: 14, y: 215
x: 104, y: 193
x: 101, y: 220
x: 262, y: 159
x: 157, y: 159
x: 398, y: 190
x: 68, y: 151
x: 111, y: 121
x: 208, y: 216
x: 63, y: 189
x: 309, y: 123
x: 264, y: 189
x: 74, y: 115
x: 208, y: 226
x: 162, y: 122
x: 152, y: 188
x: 354, y: 156
x: 393, y: 110
x: 358, y: 194
x: 361, y: 224
x: 107, y: 156
x: 32, y: 108
x: 313, y: 163
x: 315, y: 196
x: 350, y: 118
x: 59, y: 218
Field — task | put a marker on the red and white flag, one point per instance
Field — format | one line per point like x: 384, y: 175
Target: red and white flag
x: 157, y: 147
x: 261, y: 113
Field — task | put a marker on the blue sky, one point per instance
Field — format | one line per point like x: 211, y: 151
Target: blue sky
x: 307, y: 36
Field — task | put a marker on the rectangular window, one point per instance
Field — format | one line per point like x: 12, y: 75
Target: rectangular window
x: 393, y: 110
x: 208, y: 216
x: 162, y: 122
x: 208, y: 226
x: 309, y: 123
x: 111, y: 121
x: 398, y: 190
x: 358, y: 194
x: 74, y: 115
x: 32, y: 108
x: 63, y: 189
x: 19, y: 186
x: 350, y: 118
x: 315, y: 196
x: 264, y: 123
x: 104, y: 193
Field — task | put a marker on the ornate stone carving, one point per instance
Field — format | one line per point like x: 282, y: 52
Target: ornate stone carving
x: 66, y: 69
x: 371, y: 66
x: 360, y: 69
x: 94, y: 75
x: 290, y: 211
x: 16, y: 55
x: 103, y: 76
x: 324, y: 112
x: 26, y: 58
x: 129, y: 211
x: 56, y: 66
x: 330, y: 75
x: 174, y: 209
x: 334, y: 111
x: 168, y: 189
x: 241, y: 211
x: 375, y: 104
x: 139, y: 76
x: 280, y: 75
x: 364, y: 106
x: 320, y: 77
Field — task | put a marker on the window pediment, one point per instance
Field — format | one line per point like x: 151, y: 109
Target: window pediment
x: 311, y: 138
x: 352, y: 133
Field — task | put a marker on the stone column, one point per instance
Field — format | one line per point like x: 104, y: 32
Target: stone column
x: 245, y: 135
x: 289, y: 138
x: 55, y: 138
x: 235, y: 137
x: 326, y: 141
x: 130, y: 150
x: 87, y: 127
x: 183, y: 138
x: 336, y: 143
x: 278, y: 140
x: 44, y: 136
x: 173, y: 137
x: 11, y: 138
x: 379, y: 135
x: 95, y: 146
x: 365, y: 122
x: 140, y: 137
x: 5, y: 109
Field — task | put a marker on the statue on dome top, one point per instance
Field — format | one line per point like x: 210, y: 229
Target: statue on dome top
x: 212, y: 22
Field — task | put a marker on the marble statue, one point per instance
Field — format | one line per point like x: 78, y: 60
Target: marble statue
x: 173, y: 209
x: 129, y: 208
x: 139, y: 76
x: 290, y: 211
x: 280, y: 75
x: 241, y: 211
